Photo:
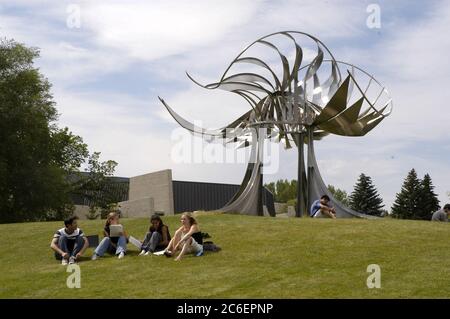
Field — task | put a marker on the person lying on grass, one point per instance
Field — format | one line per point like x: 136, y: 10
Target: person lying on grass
x: 69, y: 243
x: 187, y: 238
x: 116, y: 245
x: 157, y: 237
x: 322, y: 209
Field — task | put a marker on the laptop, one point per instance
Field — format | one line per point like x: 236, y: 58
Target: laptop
x: 115, y: 230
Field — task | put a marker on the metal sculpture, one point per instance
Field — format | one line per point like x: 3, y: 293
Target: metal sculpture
x: 302, y: 99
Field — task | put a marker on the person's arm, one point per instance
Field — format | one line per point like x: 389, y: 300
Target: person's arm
x: 85, y: 246
x: 54, y: 246
x: 165, y: 236
x: 327, y: 210
x: 193, y: 229
x: 172, y: 243
x: 105, y: 233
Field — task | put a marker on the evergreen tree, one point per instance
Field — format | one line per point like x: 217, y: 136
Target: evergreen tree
x: 406, y: 204
x: 365, y: 197
x: 428, y: 201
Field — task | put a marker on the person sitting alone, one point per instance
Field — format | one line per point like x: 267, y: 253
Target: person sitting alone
x: 322, y: 209
x: 157, y: 237
x: 69, y: 243
x: 441, y: 215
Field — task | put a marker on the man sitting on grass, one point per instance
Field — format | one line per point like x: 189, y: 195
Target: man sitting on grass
x: 322, y: 209
x: 69, y: 243
x: 442, y: 215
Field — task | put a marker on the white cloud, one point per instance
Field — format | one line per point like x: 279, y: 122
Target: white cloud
x: 151, y: 30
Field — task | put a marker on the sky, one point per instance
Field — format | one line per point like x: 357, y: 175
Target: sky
x: 108, y: 61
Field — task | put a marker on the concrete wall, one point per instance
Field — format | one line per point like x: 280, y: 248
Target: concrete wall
x: 150, y: 193
x: 143, y: 207
x: 280, y: 208
x: 81, y: 211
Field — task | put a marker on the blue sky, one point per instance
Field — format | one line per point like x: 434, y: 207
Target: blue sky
x: 107, y: 74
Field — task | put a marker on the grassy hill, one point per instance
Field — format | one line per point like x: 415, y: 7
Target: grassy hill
x: 261, y: 257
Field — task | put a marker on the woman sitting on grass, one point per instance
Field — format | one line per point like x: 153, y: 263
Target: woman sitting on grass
x: 188, y: 238
x: 157, y: 237
x: 112, y: 245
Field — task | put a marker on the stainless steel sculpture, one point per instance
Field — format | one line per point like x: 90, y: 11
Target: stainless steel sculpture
x: 298, y: 97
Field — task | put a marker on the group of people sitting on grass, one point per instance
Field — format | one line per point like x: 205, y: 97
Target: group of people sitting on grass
x: 70, y: 243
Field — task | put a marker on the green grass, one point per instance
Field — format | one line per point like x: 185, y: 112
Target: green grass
x: 261, y: 257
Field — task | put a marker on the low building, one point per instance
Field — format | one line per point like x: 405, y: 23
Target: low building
x: 144, y: 195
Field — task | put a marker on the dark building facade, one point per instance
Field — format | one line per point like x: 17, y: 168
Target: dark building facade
x: 187, y: 196
x: 191, y: 196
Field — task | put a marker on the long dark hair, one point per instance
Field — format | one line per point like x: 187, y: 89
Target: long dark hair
x: 160, y: 226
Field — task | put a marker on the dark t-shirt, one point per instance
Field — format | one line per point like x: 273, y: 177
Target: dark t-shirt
x: 198, y: 237
x: 160, y: 231
x: 114, y: 240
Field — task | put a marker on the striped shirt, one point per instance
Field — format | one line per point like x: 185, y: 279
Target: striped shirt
x: 73, y: 236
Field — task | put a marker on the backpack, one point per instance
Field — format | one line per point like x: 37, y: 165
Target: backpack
x: 210, y: 246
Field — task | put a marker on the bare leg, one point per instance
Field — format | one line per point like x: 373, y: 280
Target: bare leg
x: 173, y: 242
x: 327, y: 213
x: 184, y: 249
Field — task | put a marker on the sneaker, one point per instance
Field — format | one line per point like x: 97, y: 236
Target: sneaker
x: 167, y: 253
x: 147, y: 253
x: 72, y: 260
x: 121, y: 255
x: 200, y: 253
x: 94, y: 257
x: 143, y: 252
x: 64, y: 262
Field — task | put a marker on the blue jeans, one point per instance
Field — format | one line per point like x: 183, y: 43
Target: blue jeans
x: 151, y: 241
x: 106, y: 246
x: 73, y: 247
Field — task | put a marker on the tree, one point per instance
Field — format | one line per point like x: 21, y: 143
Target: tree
x: 35, y: 156
x: 97, y: 186
x: 340, y: 195
x: 365, y: 197
x: 428, y: 201
x: 406, y: 205
x: 283, y: 190
x: 287, y: 190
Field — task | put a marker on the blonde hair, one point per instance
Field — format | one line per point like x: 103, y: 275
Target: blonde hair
x: 191, y: 219
x: 110, y: 217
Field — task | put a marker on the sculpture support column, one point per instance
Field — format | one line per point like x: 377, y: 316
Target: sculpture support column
x: 261, y: 192
x: 300, y: 209
x: 310, y: 173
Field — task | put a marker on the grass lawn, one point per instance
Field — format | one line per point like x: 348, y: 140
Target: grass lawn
x: 261, y: 257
